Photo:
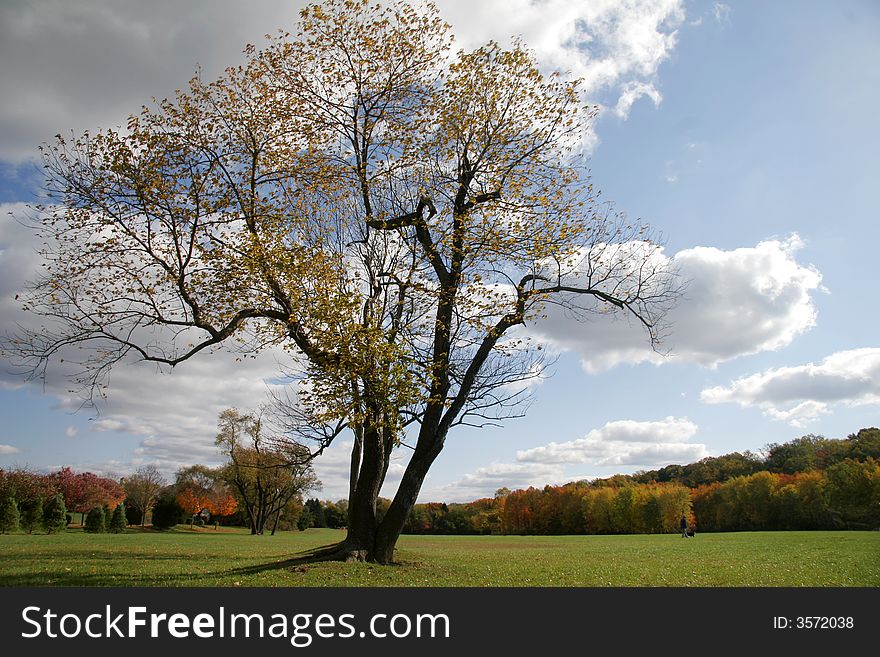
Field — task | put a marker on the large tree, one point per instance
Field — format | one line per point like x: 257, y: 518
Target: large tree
x: 266, y: 475
x: 394, y: 213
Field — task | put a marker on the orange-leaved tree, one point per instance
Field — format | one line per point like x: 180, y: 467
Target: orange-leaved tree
x: 200, y: 488
x: 192, y: 501
x: 221, y: 503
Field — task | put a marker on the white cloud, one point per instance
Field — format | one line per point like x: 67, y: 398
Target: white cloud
x: 605, y: 41
x: 177, y: 411
x: 631, y: 92
x: 71, y: 432
x: 738, y: 302
x: 619, y: 443
x: 799, y: 415
x: 615, y: 47
x: 8, y: 450
x: 80, y: 65
x: 800, y: 394
x: 721, y: 12
x: 484, y: 481
x: 625, y: 442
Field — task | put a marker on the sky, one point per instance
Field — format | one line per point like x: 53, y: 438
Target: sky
x: 744, y: 133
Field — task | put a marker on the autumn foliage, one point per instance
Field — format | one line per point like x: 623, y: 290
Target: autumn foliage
x: 222, y: 504
x: 85, y: 490
x: 575, y: 508
x: 217, y: 500
x: 80, y: 492
x: 844, y: 496
x: 806, y: 484
x: 192, y: 501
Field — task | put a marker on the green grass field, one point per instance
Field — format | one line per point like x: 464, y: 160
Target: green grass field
x: 206, y: 557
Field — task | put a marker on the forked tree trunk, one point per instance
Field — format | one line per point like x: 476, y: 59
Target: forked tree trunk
x: 372, y: 540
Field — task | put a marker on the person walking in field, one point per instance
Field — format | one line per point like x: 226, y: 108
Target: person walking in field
x: 684, y: 526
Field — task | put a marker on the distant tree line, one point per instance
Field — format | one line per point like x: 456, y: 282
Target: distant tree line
x: 846, y: 495
x: 803, y: 454
x: 809, y: 483
x: 574, y: 508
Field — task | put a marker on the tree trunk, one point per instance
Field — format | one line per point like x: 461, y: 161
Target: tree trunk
x: 277, y: 518
x: 242, y: 489
x: 367, y: 539
x: 358, y: 544
x: 410, y: 484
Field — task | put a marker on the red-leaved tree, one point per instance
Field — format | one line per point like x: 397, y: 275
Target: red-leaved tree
x: 85, y: 490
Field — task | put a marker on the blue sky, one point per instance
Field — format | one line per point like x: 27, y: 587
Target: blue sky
x: 746, y: 134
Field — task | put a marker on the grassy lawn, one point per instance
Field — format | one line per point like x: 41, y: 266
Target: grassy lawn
x: 206, y: 557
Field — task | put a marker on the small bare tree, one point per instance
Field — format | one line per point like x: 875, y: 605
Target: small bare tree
x: 265, y: 475
x: 142, y: 489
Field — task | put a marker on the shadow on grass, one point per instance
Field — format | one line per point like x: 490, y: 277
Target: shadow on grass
x: 298, y: 561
